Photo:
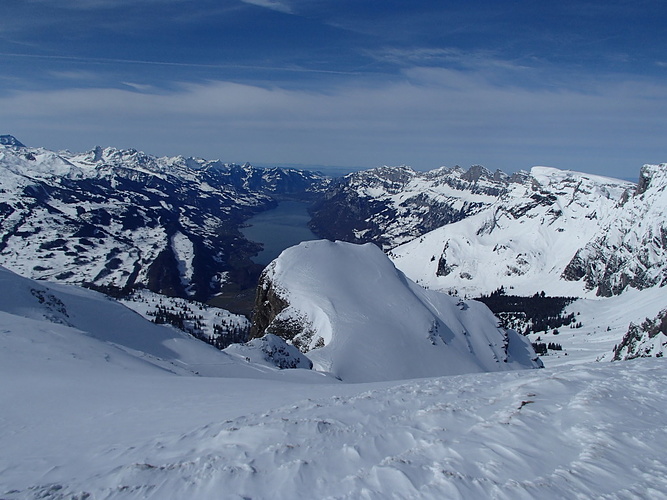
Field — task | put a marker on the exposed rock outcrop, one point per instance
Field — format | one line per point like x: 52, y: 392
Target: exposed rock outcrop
x: 648, y: 339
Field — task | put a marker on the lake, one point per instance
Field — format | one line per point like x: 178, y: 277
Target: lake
x: 278, y: 229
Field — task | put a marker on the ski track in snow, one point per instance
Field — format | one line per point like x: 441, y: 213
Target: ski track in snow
x: 583, y: 432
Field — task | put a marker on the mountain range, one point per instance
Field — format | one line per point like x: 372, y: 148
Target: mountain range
x: 563, y: 232
x: 474, y: 231
x: 118, y: 219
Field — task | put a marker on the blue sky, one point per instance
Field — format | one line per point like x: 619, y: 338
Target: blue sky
x: 573, y: 84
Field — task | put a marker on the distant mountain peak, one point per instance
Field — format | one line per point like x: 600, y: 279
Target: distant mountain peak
x: 10, y: 140
x: 475, y: 172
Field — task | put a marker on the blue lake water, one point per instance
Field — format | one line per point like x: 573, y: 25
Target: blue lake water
x: 278, y: 229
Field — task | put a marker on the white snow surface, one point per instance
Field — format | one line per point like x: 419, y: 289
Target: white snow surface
x: 594, y: 431
x: 605, y: 321
x: 98, y: 403
x: 375, y: 324
x: 184, y: 253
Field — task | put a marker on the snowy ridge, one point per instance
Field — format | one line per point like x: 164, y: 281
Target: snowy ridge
x: 528, y: 238
x: 630, y: 249
x: 355, y: 315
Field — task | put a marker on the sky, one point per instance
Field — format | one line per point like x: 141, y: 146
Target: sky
x: 577, y: 85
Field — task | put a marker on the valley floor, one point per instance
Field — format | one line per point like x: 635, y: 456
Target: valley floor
x: 593, y: 430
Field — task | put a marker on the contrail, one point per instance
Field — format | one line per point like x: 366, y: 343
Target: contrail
x: 99, y: 60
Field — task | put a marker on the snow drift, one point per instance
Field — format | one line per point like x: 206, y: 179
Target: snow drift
x: 358, y: 317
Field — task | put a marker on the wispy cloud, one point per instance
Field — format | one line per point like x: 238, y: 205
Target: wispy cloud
x: 445, y: 57
x: 271, y: 4
x: 139, y: 87
x: 437, y: 117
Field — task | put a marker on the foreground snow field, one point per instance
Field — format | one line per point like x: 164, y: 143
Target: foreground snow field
x: 97, y: 403
x: 594, y: 430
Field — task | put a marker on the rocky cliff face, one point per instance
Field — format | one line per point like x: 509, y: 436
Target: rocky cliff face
x: 272, y: 315
x: 568, y: 233
x: 630, y: 247
x: 645, y: 340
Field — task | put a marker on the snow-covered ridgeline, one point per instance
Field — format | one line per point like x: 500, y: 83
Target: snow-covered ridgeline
x: 392, y: 205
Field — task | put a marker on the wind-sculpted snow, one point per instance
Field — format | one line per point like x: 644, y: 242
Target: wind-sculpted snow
x: 355, y: 315
x: 588, y: 432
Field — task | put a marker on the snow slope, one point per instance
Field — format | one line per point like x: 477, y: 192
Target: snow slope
x: 605, y: 321
x: 363, y: 320
x: 58, y: 323
x: 594, y: 431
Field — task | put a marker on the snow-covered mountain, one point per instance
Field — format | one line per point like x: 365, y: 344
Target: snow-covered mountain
x: 630, y: 248
x: 98, y: 402
x: 118, y: 218
x: 356, y: 316
x: 563, y: 232
x: 392, y: 205
x: 474, y: 231
x: 83, y: 418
